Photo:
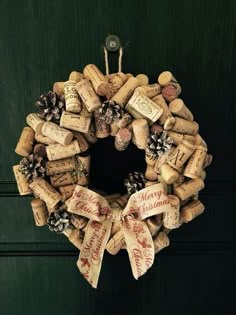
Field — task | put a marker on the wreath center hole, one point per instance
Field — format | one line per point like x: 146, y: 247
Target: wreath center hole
x: 109, y: 167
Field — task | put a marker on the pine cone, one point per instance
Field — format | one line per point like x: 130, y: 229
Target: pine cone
x: 59, y: 220
x: 110, y: 111
x: 159, y: 143
x: 50, y: 106
x: 80, y: 170
x: 32, y: 167
x: 135, y: 182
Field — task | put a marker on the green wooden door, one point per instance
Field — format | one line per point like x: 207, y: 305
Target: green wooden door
x: 41, y: 42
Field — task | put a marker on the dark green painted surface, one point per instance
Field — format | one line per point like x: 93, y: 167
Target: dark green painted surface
x: 41, y: 42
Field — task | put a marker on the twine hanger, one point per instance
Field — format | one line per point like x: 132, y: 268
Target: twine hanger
x: 113, y: 44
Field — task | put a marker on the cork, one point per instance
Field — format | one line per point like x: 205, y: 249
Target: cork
x: 143, y: 79
x: 195, y: 163
x: 78, y: 221
x: 24, y: 146
x: 35, y: 122
x: 164, y: 184
x: 180, y: 155
x: 125, y: 92
x: 160, y: 242
x: 21, y: 181
x: 150, y: 183
x: 76, y: 76
x: 59, y: 151
x: 120, y: 202
x: 83, y: 143
x: 163, y: 159
x: 112, y: 197
x: 154, y: 224
x: 40, y: 150
x: 150, y: 174
x: 75, y: 122
x: 58, y: 87
x: 156, y: 128
x: 67, y: 202
x: 192, y: 210
x: 207, y: 160
x: 116, y: 81
x: 178, y: 108
x: 176, y: 137
x: 169, y: 174
x: 90, y: 136
x: 191, y: 139
x: 160, y: 101
x: 178, y: 182
x: 116, y: 243
x: 75, y: 238
x: 84, y: 111
x: 66, y: 191
x: 72, y: 100
x: 39, y: 211
x: 140, y: 132
x: 144, y: 106
x: 150, y: 158
x: 60, y: 135
x: 171, y: 88
x: 124, y: 121
x: 122, y: 139
x: 98, y: 80
x: 150, y: 90
x: 43, y: 139
x: 129, y: 75
x: 189, y: 188
x: 116, y: 226
x: 114, y: 128
x: 203, y: 174
x: 184, y: 126
x: 101, y: 128
x: 171, y: 217
x: 199, y: 141
x: 169, y: 123
x: 84, y: 169
x: 63, y: 179
x: 88, y: 95
x: 45, y: 191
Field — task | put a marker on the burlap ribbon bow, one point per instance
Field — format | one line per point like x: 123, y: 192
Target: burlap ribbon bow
x: 145, y: 203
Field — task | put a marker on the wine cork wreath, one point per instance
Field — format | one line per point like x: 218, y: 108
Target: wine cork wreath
x: 56, y: 164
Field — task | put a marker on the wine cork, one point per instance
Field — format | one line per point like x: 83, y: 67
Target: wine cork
x: 150, y: 174
x: 160, y: 101
x: 150, y: 91
x: 171, y: 217
x: 116, y: 226
x: 76, y: 76
x: 156, y: 128
x: 163, y: 159
x: 124, y: 121
x: 129, y: 75
x: 112, y: 197
x: 57, y: 133
x: 169, y: 123
x: 75, y: 238
x: 189, y: 188
x: 116, y: 243
x: 144, y: 106
x: 184, y: 126
x: 83, y: 144
x: 178, y: 108
x: 180, y: 155
x: 114, y: 128
x: 45, y: 191
x: 207, y: 160
x: 67, y: 202
x: 175, y: 136
x: 75, y: 122
x: 84, y: 169
x: 154, y: 225
x: 164, y: 184
x: 62, y: 179
x: 21, y: 181
x: 150, y: 158
x: 150, y: 183
x: 160, y: 242
x: 203, y: 175
x: 125, y: 92
x: 72, y: 100
x: 140, y: 133
x: 191, y: 139
x: 24, y: 146
x: 40, y: 150
x: 143, y: 80
x: 90, y: 136
x: 59, y: 151
x: 169, y: 174
x: 35, y: 122
x: 66, y: 191
x: 39, y: 211
x: 170, y: 92
x: 60, y: 166
x: 78, y: 221
x: 58, y: 88
x: 195, y: 163
x: 171, y: 86
x: 200, y: 141
x: 116, y: 81
x: 101, y: 128
x: 84, y: 111
x: 192, y: 210
x: 42, y: 139
x: 120, y: 202
x: 122, y: 139
x: 98, y: 80
x: 88, y: 95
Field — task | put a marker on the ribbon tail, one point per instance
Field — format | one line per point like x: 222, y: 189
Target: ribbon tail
x: 139, y: 245
x: 91, y: 254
